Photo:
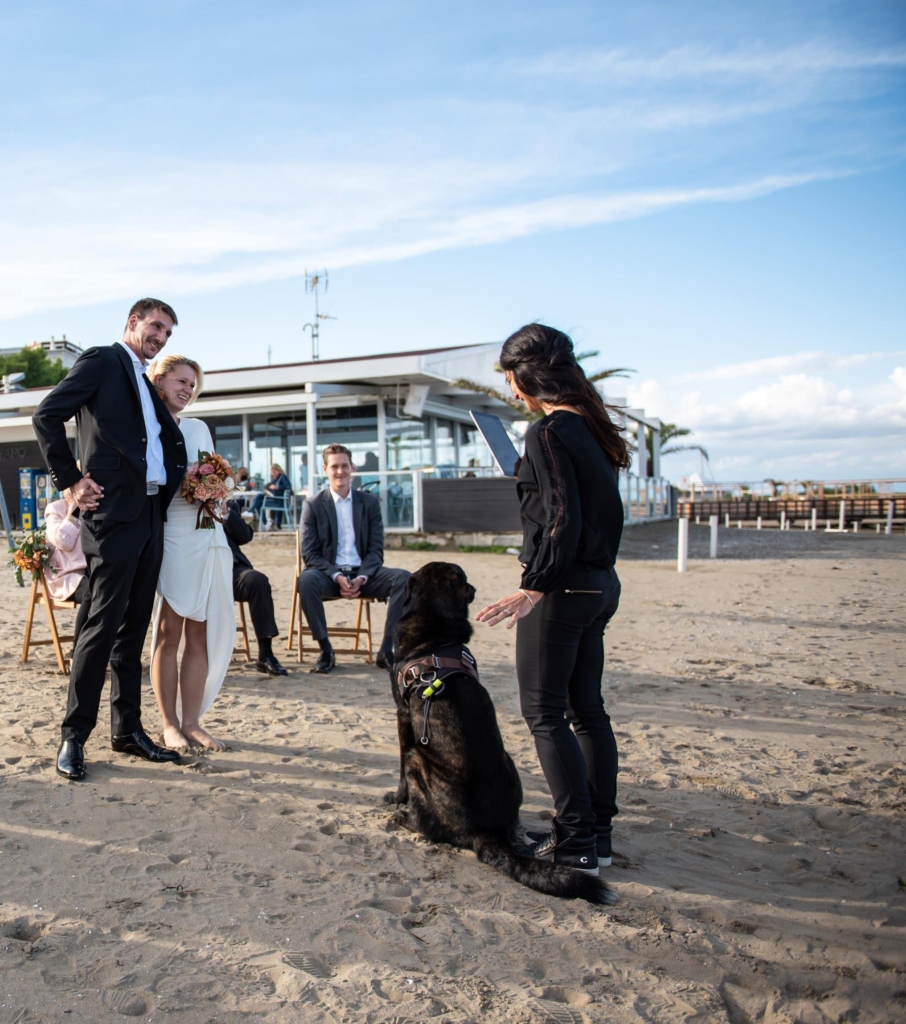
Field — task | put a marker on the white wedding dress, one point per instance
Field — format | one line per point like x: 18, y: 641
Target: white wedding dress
x: 196, y: 576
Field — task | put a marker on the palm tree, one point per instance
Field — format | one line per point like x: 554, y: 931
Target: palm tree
x: 670, y: 432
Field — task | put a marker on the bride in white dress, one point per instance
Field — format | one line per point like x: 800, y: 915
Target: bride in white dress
x: 194, y: 600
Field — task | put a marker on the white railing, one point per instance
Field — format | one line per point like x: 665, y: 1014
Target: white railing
x: 645, y: 499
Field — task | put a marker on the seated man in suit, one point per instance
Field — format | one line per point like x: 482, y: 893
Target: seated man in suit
x: 255, y: 588
x: 343, y: 550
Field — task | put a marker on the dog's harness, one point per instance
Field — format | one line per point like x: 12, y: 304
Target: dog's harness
x: 431, y: 672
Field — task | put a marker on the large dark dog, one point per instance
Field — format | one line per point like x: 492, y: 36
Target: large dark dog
x: 457, y: 782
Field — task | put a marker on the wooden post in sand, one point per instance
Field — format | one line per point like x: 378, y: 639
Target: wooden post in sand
x: 888, y: 529
x: 727, y: 520
x: 682, y: 545
x: 814, y: 519
x: 842, y: 521
x: 782, y: 519
x: 713, y: 520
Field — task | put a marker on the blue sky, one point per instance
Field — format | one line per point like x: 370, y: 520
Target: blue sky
x: 710, y: 193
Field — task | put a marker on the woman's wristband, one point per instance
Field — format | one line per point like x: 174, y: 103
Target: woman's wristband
x: 526, y: 596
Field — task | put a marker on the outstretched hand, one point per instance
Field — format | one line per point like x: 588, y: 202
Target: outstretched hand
x: 86, y: 493
x: 514, y: 607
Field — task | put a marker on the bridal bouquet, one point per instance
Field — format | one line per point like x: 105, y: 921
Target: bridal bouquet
x: 31, y: 554
x: 207, y: 482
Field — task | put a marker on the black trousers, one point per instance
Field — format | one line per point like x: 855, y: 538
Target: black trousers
x: 314, y: 586
x: 254, y: 587
x: 123, y: 568
x: 559, y: 665
x: 82, y: 598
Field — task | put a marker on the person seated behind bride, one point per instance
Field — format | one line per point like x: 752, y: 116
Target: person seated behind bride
x: 195, y: 589
x: 68, y: 576
x: 278, y: 486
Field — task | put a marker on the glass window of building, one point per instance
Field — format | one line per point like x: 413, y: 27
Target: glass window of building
x: 444, y: 443
x: 408, y: 442
x: 226, y: 433
x: 473, y: 450
x: 279, y: 439
x: 355, y: 427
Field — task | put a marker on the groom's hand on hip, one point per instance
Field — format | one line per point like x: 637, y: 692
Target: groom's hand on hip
x: 86, y: 493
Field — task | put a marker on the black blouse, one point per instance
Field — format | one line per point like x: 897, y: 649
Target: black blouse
x: 572, y: 513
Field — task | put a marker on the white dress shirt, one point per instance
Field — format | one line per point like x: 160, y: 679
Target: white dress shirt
x: 347, y: 553
x: 156, y: 472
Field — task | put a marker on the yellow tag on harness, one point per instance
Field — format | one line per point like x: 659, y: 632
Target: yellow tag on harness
x: 433, y: 690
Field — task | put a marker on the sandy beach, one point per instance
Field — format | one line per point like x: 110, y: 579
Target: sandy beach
x: 758, y: 702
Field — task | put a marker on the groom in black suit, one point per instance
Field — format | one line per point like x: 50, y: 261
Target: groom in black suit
x: 343, y: 550
x: 134, y: 459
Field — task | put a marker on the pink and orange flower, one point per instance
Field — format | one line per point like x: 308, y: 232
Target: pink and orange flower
x: 208, y: 482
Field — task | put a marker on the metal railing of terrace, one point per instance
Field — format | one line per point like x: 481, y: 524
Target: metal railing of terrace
x: 646, y: 499
x: 401, y: 495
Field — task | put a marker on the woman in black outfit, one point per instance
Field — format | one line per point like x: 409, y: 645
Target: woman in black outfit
x: 572, y: 518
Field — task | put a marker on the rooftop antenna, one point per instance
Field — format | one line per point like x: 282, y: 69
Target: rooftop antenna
x: 314, y: 283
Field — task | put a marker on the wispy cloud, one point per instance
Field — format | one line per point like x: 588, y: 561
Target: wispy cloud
x: 692, y: 62
x: 775, y: 365
x: 489, y: 151
x: 104, y: 238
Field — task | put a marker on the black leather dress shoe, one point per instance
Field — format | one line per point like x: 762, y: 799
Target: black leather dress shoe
x: 71, y: 761
x: 325, y: 663
x: 140, y: 744
x: 270, y: 665
x: 384, y: 659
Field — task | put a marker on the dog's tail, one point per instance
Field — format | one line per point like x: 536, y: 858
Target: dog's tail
x: 542, y: 875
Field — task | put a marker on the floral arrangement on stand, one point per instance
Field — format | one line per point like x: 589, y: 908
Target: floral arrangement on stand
x: 208, y: 482
x: 31, y: 554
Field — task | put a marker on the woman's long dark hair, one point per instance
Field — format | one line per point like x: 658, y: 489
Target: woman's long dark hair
x: 543, y: 364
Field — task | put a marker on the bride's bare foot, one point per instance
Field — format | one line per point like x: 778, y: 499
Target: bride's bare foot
x: 174, y: 739
x: 202, y: 738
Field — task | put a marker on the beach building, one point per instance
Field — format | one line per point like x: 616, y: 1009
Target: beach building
x: 402, y: 414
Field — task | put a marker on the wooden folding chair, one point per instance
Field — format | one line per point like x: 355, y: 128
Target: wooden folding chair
x: 354, y: 633
x: 41, y: 595
x: 243, y: 632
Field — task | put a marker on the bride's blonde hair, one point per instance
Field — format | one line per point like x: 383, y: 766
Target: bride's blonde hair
x: 161, y: 367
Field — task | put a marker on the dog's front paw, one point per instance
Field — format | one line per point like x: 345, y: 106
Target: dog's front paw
x: 396, y: 796
x: 404, y: 819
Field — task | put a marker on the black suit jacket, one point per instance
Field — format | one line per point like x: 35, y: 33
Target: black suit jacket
x: 320, y: 533
x: 101, y: 391
x: 237, y: 532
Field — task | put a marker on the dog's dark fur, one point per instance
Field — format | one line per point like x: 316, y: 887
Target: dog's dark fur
x: 462, y: 787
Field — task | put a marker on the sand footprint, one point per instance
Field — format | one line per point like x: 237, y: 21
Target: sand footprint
x: 308, y: 963
x: 124, y: 1002
x: 557, y: 1012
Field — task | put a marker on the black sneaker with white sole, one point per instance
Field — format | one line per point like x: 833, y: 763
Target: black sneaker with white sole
x: 579, y: 854
x: 602, y: 844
